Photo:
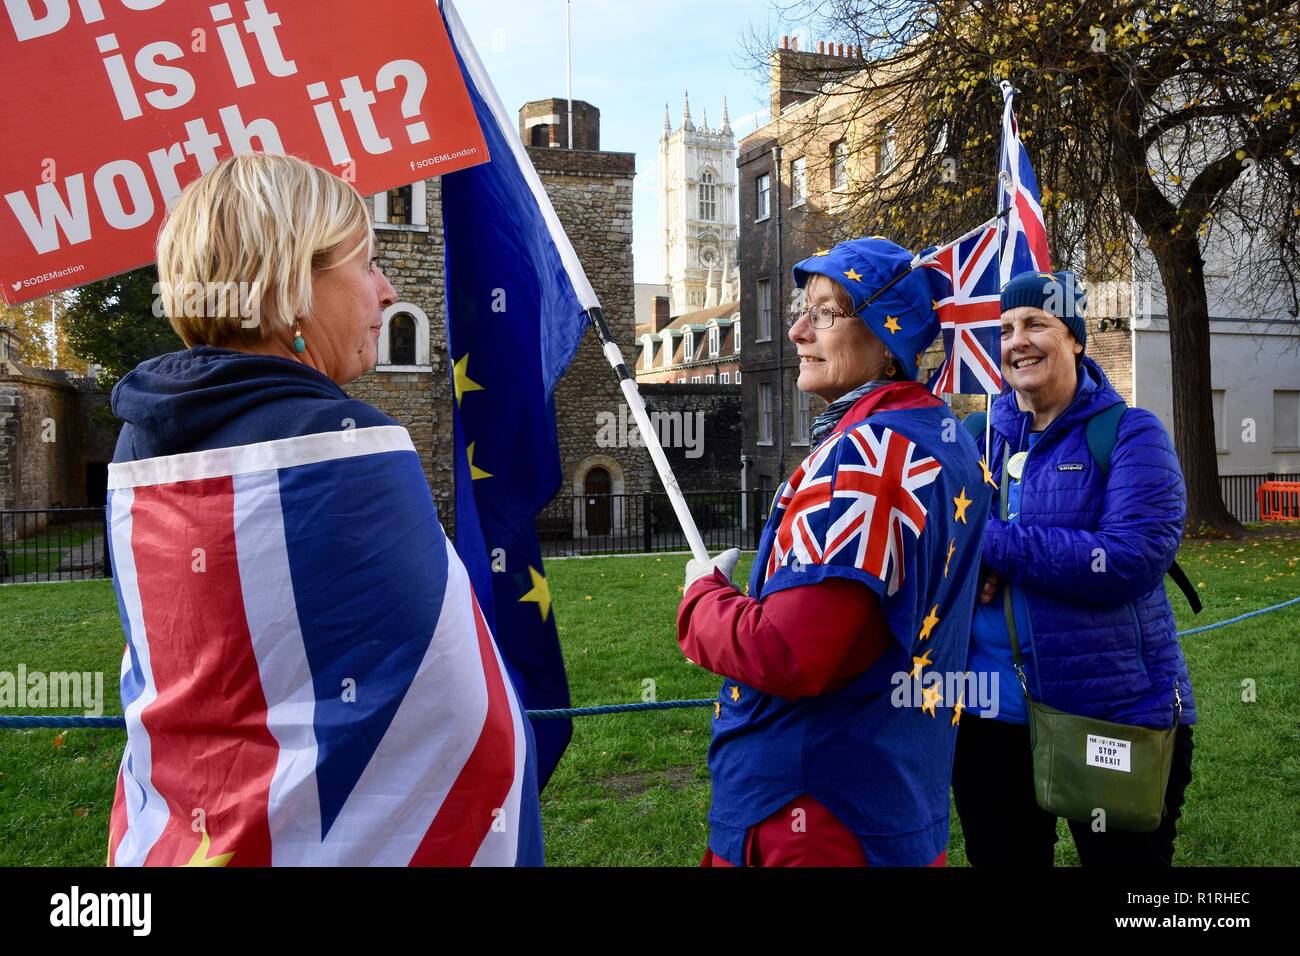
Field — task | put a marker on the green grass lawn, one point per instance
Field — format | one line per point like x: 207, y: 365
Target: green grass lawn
x: 633, y: 789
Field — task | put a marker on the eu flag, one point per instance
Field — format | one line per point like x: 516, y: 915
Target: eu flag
x: 516, y: 312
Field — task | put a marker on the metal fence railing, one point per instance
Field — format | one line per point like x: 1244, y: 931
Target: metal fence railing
x: 644, y: 522
x: 53, y: 544
x: 65, y: 544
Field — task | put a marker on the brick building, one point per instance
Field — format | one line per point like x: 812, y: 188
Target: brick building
x: 698, y: 348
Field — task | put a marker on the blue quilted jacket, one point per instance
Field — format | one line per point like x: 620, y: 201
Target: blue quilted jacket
x: 1090, y: 553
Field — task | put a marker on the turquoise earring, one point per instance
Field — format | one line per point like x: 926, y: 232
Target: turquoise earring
x: 299, y: 345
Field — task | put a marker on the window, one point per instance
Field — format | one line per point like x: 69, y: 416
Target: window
x: 797, y: 182
x: 695, y: 380
x: 885, y: 150
x: 839, y: 166
x: 1220, y: 431
x: 400, y: 206
x: 735, y: 336
x: 1286, y: 420
x: 668, y: 350
x: 709, y: 380
x: 763, y: 196
x: 403, y: 208
x: 708, y: 198
x: 725, y: 378
x: 401, y: 340
x: 681, y: 381
x: 404, y: 338
x: 801, y: 417
x: 715, y: 341
x: 764, y: 329
x: 688, y: 352
x: 539, y: 135
x: 765, y: 414
x: 737, y: 378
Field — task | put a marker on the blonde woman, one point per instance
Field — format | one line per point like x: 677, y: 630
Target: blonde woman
x: 308, y: 679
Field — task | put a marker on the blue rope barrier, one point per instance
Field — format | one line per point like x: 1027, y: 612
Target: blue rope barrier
x: 115, y: 723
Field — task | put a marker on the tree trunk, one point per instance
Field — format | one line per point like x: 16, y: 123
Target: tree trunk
x: 1182, y: 272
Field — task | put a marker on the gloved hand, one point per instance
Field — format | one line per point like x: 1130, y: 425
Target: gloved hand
x: 725, y: 562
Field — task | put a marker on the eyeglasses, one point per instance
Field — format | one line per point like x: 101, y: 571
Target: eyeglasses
x: 821, y: 316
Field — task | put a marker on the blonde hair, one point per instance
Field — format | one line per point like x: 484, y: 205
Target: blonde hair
x: 237, y: 253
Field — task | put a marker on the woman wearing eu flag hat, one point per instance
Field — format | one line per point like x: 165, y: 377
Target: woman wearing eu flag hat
x: 834, y: 731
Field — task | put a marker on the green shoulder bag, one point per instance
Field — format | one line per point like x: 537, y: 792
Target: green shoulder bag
x: 1083, y: 765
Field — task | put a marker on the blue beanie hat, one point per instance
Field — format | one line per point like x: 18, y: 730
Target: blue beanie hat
x: 903, y: 316
x: 1058, y: 294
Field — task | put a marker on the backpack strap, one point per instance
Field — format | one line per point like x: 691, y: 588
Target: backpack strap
x: 1102, y: 432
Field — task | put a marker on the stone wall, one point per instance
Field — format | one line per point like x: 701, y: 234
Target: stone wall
x: 592, y: 196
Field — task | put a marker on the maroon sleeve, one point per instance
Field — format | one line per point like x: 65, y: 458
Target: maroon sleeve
x: 798, y: 642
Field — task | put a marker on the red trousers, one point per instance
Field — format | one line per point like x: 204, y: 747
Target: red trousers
x: 816, y: 838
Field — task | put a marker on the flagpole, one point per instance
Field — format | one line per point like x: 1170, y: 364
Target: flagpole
x: 648, y: 433
x: 1004, y: 210
x: 568, y: 62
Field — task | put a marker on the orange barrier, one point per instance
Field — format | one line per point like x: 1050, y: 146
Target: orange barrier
x: 1279, y: 500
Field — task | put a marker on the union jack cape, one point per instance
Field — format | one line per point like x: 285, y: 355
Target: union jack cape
x: 308, y: 678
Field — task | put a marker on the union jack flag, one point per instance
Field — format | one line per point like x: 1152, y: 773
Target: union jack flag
x: 970, y: 315
x: 309, y: 679
x: 853, y: 502
x: 1024, y: 238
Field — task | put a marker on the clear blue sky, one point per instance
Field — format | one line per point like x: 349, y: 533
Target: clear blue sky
x: 628, y: 59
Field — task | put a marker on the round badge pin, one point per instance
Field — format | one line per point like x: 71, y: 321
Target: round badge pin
x: 1016, y: 466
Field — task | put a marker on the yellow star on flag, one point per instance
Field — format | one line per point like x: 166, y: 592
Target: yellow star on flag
x: 201, y: 858
x: 461, y: 381
x: 540, y: 594
x: 891, y: 323
x: 962, y: 503
x: 853, y: 274
x: 717, y: 709
x: 918, y: 663
x: 735, y: 692
x: 928, y: 624
x: 952, y: 549
x: 957, y: 708
x: 822, y: 252
x: 475, y: 472
x: 934, y: 305
x: 930, y: 698
x: 988, y: 475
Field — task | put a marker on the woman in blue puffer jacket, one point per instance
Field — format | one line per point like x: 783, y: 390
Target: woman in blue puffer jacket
x: 1084, y: 555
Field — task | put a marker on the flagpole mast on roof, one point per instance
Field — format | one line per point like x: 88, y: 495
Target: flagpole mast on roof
x: 568, y: 62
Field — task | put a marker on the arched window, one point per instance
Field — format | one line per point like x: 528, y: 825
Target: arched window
x: 735, y: 341
x: 708, y: 197
x: 688, y: 352
x: 401, y: 339
x: 715, y: 340
x: 404, y: 338
x: 540, y: 135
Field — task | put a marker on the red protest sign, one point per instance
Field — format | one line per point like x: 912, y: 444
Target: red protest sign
x: 115, y: 105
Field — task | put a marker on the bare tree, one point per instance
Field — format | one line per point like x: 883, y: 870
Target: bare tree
x: 1150, y: 125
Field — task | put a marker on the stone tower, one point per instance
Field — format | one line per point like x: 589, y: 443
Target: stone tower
x: 697, y: 211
